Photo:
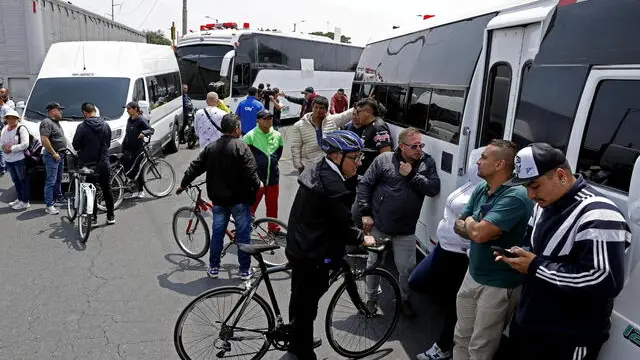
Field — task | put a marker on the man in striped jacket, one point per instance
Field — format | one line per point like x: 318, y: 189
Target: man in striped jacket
x: 576, y: 268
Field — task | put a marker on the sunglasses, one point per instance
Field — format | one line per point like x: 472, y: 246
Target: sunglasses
x: 357, y: 158
x: 415, y: 146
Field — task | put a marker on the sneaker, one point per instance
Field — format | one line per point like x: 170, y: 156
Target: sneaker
x: 111, y: 220
x: 435, y: 353
x: 21, y: 206
x: 317, y: 342
x: 94, y: 220
x: 372, y: 305
x: 14, y: 202
x: 246, y: 275
x: 213, y: 272
x: 407, y: 309
x: 141, y: 195
x: 52, y: 210
x: 132, y: 195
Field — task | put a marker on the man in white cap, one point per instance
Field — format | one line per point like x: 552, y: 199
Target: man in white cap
x: 576, y: 267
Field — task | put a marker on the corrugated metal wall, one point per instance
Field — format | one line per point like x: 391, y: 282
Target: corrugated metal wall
x: 60, y: 21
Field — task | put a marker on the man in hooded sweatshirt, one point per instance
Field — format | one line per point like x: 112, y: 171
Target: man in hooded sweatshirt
x: 91, y: 141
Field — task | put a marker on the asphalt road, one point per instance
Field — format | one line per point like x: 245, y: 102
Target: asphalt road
x: 119, y: 296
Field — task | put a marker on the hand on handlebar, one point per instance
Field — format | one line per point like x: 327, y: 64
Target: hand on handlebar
x: 368, y: 241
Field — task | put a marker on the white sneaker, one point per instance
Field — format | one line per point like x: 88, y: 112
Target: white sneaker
x: 132, y: 195
x: 435, y: 353
x: 52, y: 210
x: 13, y: 203
x: 141, y: 195
x: 21, y: 206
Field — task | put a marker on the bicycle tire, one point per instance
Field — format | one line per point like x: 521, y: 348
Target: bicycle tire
x: 225, y: 290
x: 85, y: 219
x: 117, y: 190
x: 331, y: 337
x: 145, y: 175
x: 177, y: 233
x: 270, y: 239
x: 71, y: 206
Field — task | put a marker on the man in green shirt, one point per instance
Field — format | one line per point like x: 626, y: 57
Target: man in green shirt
x: 496, y: 215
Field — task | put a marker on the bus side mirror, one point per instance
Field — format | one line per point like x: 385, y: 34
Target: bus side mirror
x: 226, y: 62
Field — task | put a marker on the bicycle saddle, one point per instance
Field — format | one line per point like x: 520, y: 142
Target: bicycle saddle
x: 86, y: 171
x: 256, y: 248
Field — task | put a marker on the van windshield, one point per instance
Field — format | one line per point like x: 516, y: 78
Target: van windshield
x: 199, y: 66
x: 108, y: 94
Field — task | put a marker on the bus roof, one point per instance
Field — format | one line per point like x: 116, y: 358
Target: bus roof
x: 230, y: 36
x: 443, y: 19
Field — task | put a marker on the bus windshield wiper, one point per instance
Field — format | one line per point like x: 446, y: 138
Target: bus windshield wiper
x: 72, y: 117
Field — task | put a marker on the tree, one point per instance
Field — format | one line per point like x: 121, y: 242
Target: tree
x: 157, y: 37
x: 343, y: 39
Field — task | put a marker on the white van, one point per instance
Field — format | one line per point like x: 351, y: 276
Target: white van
x: 109, y: 74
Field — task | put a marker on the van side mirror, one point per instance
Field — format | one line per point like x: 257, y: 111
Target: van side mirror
x: 144, y: 107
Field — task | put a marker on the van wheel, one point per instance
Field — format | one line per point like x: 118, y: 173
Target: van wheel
x: 174, y: 144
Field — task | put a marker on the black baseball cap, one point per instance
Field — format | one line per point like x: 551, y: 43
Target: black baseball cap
x: 264, y: 114
x: 534, y: 161
x: 54, y: 105
x: 133, y: 105
x: 308, y: 90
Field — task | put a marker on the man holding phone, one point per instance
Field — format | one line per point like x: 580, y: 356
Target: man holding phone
x: 496, y: 215
x: 576, y: 268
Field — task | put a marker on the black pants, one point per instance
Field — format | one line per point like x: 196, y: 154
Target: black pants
x: 103, y: 178
x: 442, y: 272
x: 308, y: 283
x: 131, y: 163
x: 528, y: 345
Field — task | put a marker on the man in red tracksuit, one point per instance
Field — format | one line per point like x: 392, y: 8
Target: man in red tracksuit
x: 339, y: 102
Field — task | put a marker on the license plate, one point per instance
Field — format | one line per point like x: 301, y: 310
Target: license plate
x: 65, y: 177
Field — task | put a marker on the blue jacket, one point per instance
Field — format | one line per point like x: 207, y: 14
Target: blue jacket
x: 579, y: 242
x: 247, y: 111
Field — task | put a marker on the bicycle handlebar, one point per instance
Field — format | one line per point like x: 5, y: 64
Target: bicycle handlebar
x: 380, y: 246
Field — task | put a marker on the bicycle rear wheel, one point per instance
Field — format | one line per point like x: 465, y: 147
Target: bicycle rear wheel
x: 117, y: 191
x: 191, y: 232
x: 159, y: 177
x: 200, y: 328
x: 270, y: 231
x: 344, y: 317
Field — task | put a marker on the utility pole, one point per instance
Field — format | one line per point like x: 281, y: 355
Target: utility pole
x: 184, y: 17
x: 113, y: 9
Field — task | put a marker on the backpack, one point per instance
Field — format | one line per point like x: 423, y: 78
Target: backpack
x: 33, y: 152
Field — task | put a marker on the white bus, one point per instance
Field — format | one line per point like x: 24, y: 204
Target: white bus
x: 563, y: 72
x: 235, y: 59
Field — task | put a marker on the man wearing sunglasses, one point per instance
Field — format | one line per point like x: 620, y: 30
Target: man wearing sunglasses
x: 389, y: 198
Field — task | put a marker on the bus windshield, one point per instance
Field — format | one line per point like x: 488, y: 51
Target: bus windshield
x: 199, y: 66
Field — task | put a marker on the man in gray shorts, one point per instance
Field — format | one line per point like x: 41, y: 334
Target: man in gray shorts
x: 52, y: 138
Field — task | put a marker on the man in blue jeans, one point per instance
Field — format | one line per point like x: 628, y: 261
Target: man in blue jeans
x: 232, y: 184
x: 53, y: 139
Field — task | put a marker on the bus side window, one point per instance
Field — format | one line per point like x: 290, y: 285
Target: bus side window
x: 611, y: 144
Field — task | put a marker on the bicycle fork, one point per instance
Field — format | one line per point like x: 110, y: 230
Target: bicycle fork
x: 354, y: 295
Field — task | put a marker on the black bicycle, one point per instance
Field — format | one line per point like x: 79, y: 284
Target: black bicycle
x: 236, y: 322
x: 159, y: 177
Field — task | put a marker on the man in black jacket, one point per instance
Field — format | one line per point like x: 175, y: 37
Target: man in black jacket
x: 91, y: 141
x: 305, y: 102
x: 137, y: 129
x: 391, y: 193
x: 320, y: 225
x: 232, y: 184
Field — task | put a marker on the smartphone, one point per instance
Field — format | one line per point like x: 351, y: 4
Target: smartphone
x: 503, y: 252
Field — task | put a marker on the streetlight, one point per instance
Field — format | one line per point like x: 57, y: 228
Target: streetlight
x: 299, y: 22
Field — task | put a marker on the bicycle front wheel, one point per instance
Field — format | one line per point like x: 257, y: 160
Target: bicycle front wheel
x: 117, y: 191
x: 201, y: 327
x: 71, y: 198
x: 270, y: 231
x: 353, y: 331
x: 84, y: 220
x: 191, y: 232
x: 159, y: 177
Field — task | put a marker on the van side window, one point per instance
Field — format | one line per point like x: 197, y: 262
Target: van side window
x: 419, y: 108
x: 138, y: 91
x: 445, y: 114
x: 611, y: 143
x: 163, y: 88
x: 496, y: 104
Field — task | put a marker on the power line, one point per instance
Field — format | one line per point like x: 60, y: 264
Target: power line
x: 136, y: 8
x: 148, y: 14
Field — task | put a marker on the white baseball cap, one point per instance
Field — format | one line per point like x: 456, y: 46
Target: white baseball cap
x: 534, y: 161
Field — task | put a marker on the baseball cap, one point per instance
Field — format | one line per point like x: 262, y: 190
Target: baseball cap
x: 308, y: 90
x: 133, y: 105
x: 54, y: 105
x: 264, y: 114
x: 534, y: 161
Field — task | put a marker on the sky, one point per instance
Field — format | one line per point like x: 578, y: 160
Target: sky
x: 359, y: 19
